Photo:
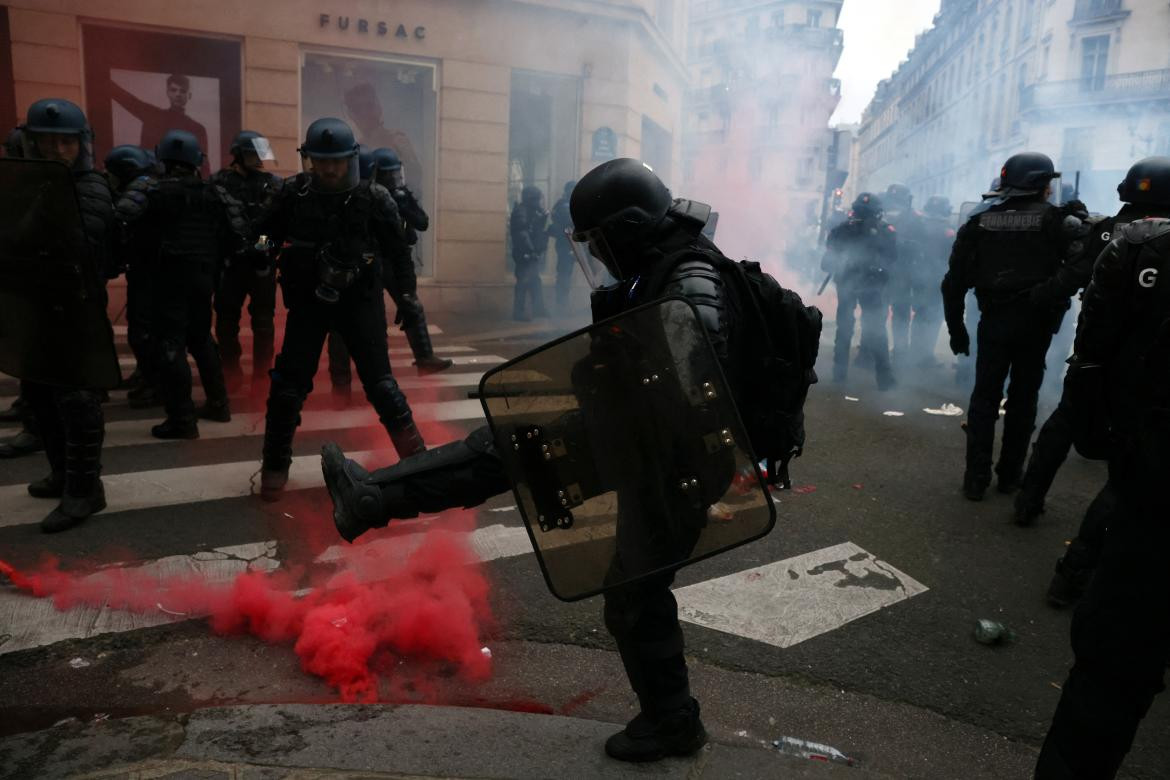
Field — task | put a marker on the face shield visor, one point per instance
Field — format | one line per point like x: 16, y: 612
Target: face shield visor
x: 258, y: 154
x: 595, y: 256
x: 332, y: 174
x: 1056, y: 194
x: 72, y: 149
x: 391, y: 178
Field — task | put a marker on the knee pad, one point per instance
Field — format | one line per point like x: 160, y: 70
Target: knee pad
x: 387, y: 398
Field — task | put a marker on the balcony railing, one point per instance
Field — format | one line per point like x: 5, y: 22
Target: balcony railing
x: 1140, y: 85
x: 822, y: 37
x: 1097, y: 10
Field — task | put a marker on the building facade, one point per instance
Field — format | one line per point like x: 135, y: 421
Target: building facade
x: 1084, y: 81
x: 480, y: 99
x: 756, y: 137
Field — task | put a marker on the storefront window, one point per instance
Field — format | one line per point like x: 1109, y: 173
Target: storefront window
x: 140, y: 84
x: 388, y: 103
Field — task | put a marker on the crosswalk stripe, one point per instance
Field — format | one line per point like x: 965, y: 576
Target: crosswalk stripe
x: 129, y: 433
x: 129, y: 361
x: 32, y: 622
x: 120, y: 329
x: 789, y: 601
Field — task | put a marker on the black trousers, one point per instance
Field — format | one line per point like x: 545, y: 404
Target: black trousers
x: 238, y: 283
x: 1013, y: 341
x: 1083, y: 553
x: 528, y: 290
x: 875, y: 344
x: 72, y: 425
x: 359, y: 318
x: 1121, y: 629
x: 181, y: 324
x: 138, y: 309
x: 1049, y: 452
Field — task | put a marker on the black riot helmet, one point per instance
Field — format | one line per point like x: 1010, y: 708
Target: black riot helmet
x: 616, y: 209
x: 57, y: 116
x: 248, y: 143
x: 1027, y: 173
x: 1148, y: 181
x: 127, y: 162
x: 330, y: 138
x: 388, y: 168
x: 899, y: 196
x: 179, y: 147
x: 866, y: 206
x: 938, y: 206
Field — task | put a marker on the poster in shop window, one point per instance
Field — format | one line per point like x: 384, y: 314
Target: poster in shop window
x: 140, y: 84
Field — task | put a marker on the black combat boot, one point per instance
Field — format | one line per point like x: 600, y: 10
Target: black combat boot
x: 176, y: 428
x: 357, y: 507
x: 280, y: 426
x: 647, y: 738
x: 52, y: 486
x: 24, y: 443
x: 83, y: 493
x: 419, y: 339
x: 144, y: 397
x: 272, y: 481
x: 1008, y: 482
x: 1027, y: 507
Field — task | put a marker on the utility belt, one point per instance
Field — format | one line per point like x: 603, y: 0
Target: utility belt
x: 335, y: 271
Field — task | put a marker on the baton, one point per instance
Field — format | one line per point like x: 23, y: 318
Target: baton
x: 825, y: 283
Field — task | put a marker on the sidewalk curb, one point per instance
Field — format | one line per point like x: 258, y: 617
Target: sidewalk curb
x: 280, y: 742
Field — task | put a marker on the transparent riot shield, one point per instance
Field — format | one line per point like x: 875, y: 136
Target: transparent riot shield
x: 625, y: 450
x: 53, y: 323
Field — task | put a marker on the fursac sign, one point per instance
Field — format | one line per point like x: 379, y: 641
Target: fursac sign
x: 367, y: 27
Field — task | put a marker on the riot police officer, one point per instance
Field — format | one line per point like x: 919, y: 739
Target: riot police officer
x: 860, y: 254
x: 399, y: 275
x: 331, y: 280
x: 184, y: 226
x: 653, y: 245
x: 123, y: 165
x: 1009, y: 250
x: 560, y: 221
x: 248, y: 274
x: 907, y: 283
x: 529, y: 243
x: 938, y: 234
x: 70, y: 419
x: 1118, y: 385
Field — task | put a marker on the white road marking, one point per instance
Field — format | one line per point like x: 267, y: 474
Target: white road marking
x: 129, y: 433
x: 789, y: 601
x: 31, y: 622
x: 434, y: 330
x: 129, y: 361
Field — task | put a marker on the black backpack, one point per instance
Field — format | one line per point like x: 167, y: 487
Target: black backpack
x: 779, y: 366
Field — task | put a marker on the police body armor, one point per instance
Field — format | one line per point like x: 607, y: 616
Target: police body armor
x: 53, y: 323
x: 331, y: 251
x: 863, y: 261
x: 1015, y: 251
x: 189, y: 212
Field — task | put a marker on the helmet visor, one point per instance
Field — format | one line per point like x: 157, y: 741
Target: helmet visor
x: 591, y: 248
x: 262, y: 148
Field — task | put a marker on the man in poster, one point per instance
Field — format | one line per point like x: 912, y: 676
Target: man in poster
x: 157, y: 121
x: 364, y: 107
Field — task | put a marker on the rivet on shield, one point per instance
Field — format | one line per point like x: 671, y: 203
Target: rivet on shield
x: 548, y: 456
x: 528, y: 435
x: 560, y: 494
x: 645, y: 380
x: 694, y: 482
x: 684, y: 484
x: 710, y: 394
x: 515, y: 446
x: 654, y: 378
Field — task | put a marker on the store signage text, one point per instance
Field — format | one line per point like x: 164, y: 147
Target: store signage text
x: 366, y: 27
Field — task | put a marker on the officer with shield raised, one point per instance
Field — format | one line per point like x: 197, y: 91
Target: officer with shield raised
x: 55, y: 333
x: 630, y: 419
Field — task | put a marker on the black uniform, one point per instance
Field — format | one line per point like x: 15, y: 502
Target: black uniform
x: 662, y: 254
x: 528, y: 227
x: 184, y: 225
x: 559, y: 221
x: 911, y: 289
x: 328, y: 237
x: 860, y: 254
x: 70, y: 419
x: 247, y: 275
x: 1013, y: 254
x: 1121, y: 630
x: 937, y: 238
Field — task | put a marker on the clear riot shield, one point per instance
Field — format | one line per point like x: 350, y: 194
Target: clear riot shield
x: 53, y: 323
x: 625, y: 451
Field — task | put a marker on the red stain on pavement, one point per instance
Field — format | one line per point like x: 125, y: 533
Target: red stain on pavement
x: 804, y: 489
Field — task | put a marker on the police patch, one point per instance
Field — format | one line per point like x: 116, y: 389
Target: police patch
x: 1011, y: 221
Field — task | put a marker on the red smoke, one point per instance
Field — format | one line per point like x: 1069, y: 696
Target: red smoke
x: 431, y: 604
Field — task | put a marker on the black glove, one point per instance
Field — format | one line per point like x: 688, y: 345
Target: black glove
x: 960, y: 340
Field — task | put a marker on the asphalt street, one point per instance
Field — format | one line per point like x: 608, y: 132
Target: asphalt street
x: 882, y: 567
